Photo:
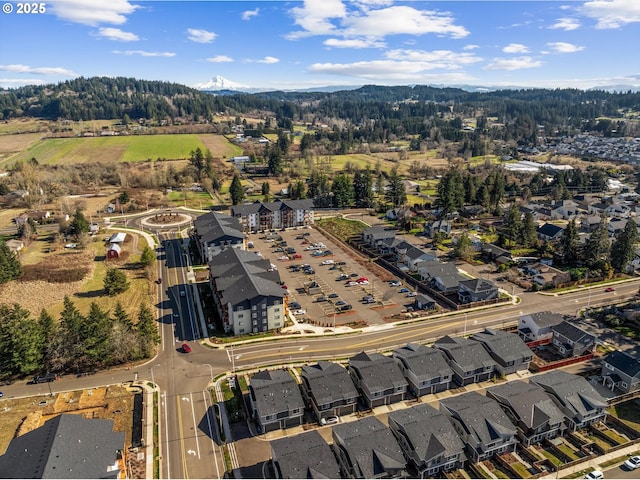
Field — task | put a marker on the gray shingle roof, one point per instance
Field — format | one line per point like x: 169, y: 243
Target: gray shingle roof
x: 507, y: 346
x: 212, y: 226
x: 531, y: 404
x: 468, y: 354
x: 573, y: 391
x: 624, y: 362
x: 378, y: 372
x: 478, y: 285
x: 546, y: 318
x: 275, y: 391
x: 305, y: 456
x: 241, y: 276
x: 574, y: 333
x: 430, y: 432
x: 329, y: 382
x: 482, y: 416
x: 425, y: 362
x: 66, y: 446
x: 371, y: 447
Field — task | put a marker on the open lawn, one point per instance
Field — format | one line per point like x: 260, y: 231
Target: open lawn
x: 133, y: 148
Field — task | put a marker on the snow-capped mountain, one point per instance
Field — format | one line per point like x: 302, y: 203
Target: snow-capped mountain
x: 220, y: 83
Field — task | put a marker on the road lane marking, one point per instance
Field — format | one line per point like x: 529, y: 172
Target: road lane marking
x: 195, y: 425
x: 185, y: 473
x: 166, y: 430
x: 205, y: 394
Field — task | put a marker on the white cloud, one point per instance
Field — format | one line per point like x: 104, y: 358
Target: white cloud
x: 612, y: 13
x: 370, y: 20
x: 402, y: 20
x: 353, y: 43
x: 386, y: 71
x: 314, y: 17
x: 515, y: 48
x: 268, y: 59
x: 516, y: 63
x: 445, y: 59
x: 566, y: 24
x: 144, y: 53
x: 563, y: 47
x: 219, y: 59
x: 248, y: 14
x: 93, y: 12
x: 470, y: 47
x: 200, y: 36
x: 20, y: 82
x: 117, y: 34
x: 18, y: 68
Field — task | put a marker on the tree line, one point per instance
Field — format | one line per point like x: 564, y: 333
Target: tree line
x: 76, y: 343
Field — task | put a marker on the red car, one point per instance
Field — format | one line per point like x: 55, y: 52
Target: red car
x: 186, y: 348
x: 609, y: 289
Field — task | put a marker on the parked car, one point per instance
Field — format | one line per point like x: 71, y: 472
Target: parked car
x: 185, y: 348
x: 363, y: 282
x: 300, y: 312
x: 278, y: 250
x: 344, y: 276
x: 351, y: 284
x: 594, y: 475
x: 395, y: 283
x: 367, y: 298
x: 47, y: 377
x: 332, y: 420
x: 354, y: 275
x: 633, y: 462
x: 341, y: 263
x: 411, y: 294
x: 346, y: 307
x: 1, y: 394
x: 362, y: 279
x: 327, y: 262
x: 339, y: 303
x: 297, y: 256
x: 334, y: 267
x: 321, y: 299
x: 404, y: 290
x: 294, y: 305
x: 333, y: 295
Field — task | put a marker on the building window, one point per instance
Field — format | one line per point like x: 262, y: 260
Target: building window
x: 254, y: 308
x: 277, y: 309
x: 254, y: 315
x: 264, y: 305
x: 276, y: 302
x: 239, y: 308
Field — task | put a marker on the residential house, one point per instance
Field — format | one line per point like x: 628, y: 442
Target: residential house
x: 425, y: 302
x: 531, y: 409
x: 565, y: 210
x: 441, y: 276
x: 216, y: 231
x: 468, y: 359
x: 496, y: 254
x: 375, y: 236
x: 428, y: 439
x: 66, y: 446
x: 260, y: 216
x: 546, y: 275
x: 425, y: 368
x: 366, y: 448
x: 571, y: 341
x: 414, y: 256
x: 476, y: 290
x: 329, y: 389
x: 275, y: 399
x: 536, y: 327
x: 507, y: 349
x: 580, y: 403
x: 306, y: 455
x: 482, y: 425
x: 589, y: 223
x: 549, y: 232
x: 621, y: 372
x: 439, y: 226
x: 617, y: 225
x: 378, y: 378
x: 247, y: 292
x: 15, y: 245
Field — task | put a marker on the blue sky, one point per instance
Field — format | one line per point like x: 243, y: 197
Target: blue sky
x: 313, y: 43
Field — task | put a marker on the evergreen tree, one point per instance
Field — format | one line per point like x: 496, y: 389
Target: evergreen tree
x: 451, y: 192
x: 298, y: 190
x: 598, y: 245
x: 236, y: 190
x: 70, y: 349
x: 95, y: 335
x: 396, y: 194
x: 148, y: 256
x: 512, y: 225
x: 147, y: 332
x: 265, y: 188
x: 79, y: 224
x: 570, y: 244
x: 462, y: 249
x: 528, y: 235
x: 20, y: 342
x: 115, y: 282
x: 363, y: 188
x: 342, y: 189
x: 623, y: 248
x: 319, y: 189
x: 10, y: 267
x: 274, y: 159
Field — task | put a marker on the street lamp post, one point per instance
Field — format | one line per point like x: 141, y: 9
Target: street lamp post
x: 210, y: 372
x: 153, y: 380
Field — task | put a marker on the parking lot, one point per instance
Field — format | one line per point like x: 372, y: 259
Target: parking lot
x: 325, y: 284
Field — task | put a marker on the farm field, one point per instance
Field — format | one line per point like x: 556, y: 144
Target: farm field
x: 133, y: 148
x: 12, y: 144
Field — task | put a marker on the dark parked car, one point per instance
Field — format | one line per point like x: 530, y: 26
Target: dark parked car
x: 47, y: 377
x: 185, y: 348
x: 346, y: 307
x: 340, y: 303
x: 295, y: 306
x: 334, y: 295
x: 321, y: 299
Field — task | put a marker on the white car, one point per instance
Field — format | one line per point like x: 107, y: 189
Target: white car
x: 363, y: 282
x: 633, y: 462
x: 327, y: 262
x: 332, y: 420
x: 411, y: 294
x: 299, y: 312
x: 395, y: 283
x: 71, y: 245
x: 595, y: 475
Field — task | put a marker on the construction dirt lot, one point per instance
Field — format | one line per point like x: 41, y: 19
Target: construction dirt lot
x: 21, y: 415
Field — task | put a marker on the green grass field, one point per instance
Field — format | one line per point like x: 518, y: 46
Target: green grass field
x: 111, y: 149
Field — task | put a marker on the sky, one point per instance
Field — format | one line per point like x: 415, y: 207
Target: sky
x: 316, y: 43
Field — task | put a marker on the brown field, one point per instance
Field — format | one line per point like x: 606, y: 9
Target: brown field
x: 22, y: 415
x: 12, y: 144
x: 220, y: 146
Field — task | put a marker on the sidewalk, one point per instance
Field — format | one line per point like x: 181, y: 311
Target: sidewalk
x: 595, y: 463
